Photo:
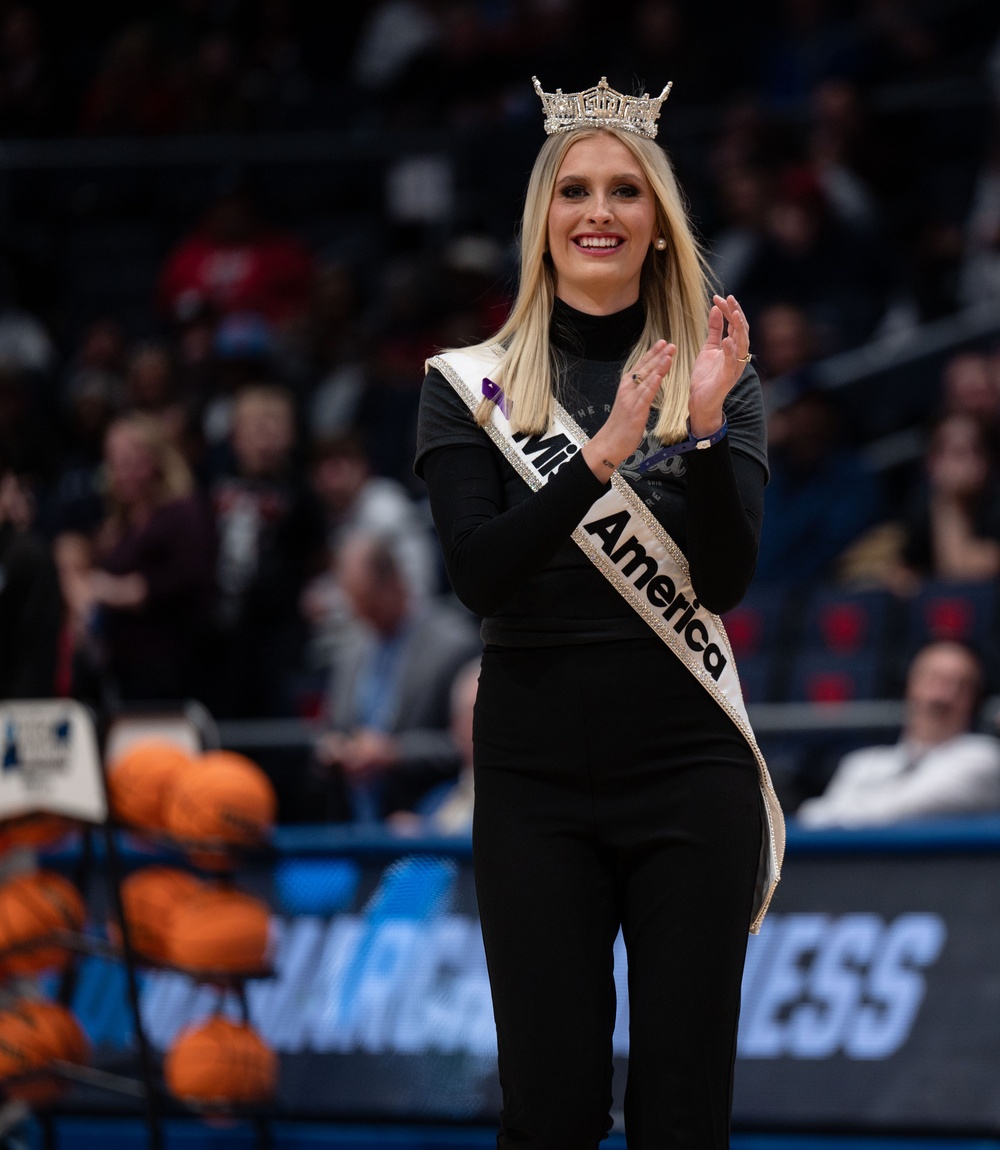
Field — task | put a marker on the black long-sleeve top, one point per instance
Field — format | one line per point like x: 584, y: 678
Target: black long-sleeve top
x: 508, y: 550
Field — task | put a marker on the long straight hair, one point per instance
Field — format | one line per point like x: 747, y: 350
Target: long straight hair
x: 674, y: 288
x: 174, y: 479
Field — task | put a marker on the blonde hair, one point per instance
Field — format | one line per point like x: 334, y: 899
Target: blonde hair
x: 175, y: 479
x: 674, y: 289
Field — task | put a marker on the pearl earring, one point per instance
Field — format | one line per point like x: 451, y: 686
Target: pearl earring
x: 660, y: 244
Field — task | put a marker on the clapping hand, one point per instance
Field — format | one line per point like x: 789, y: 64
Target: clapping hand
x: 719, y: 365
x: 625, y: 426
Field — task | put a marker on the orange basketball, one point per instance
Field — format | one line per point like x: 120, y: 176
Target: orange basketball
x: 218, y: 930
x: 34, y: 1033
x: 37, y: 830
x: 227, y: 798
x: 32, y: 906
x: 150, y: 898
x: 140, y: 778
x: 221, y: 1061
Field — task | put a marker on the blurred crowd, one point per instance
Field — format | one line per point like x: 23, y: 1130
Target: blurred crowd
x: 218, y: 503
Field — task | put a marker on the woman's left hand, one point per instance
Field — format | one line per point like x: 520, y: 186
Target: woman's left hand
x: 719, y: 365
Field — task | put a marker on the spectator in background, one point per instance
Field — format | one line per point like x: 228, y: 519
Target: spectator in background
x: 851, y: 163
x: 447, y: 810
x: 139, y: 588
x: 388, y: 711
x: 270, y: 539
x: 662, y: 34
x: 785, y: 344
x: 393, y: 34
x: 76, y: 500
x: 809, y: 42
x: 275, y: 76
x: 107, y: 379
x: 410, y: 330
x: 970, y: 384
x: 741, y: 192
x: 192, y: 333
x: 993, y: 371
x: 150, y: 386
x: 932, y: 267
x: 25, y: 342
x: 899, y: 42
x: 242, y: 352
x: 330, y: 349
x: 134, y: 92
x: 475, y: 298
x: 746, y: 138
x: 103, y: 346
x: 939, y: 766
x: 30, y: 95
x: 821, y: 495
x: 837, y: 275
x: 31, y: 604
x: 979, y: 276
x: 215, y: 98
x: 454, y: 80
x: 353, y: 499
x: 235, y: 262
x: 26, y: 425
x: 951, y: 524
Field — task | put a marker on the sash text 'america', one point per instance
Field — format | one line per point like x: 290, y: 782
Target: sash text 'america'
x: 632, y: 558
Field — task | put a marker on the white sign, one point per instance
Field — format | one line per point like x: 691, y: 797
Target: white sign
x: 50, y: 761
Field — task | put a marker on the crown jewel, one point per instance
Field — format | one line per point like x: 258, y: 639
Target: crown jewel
x: 600, y: 107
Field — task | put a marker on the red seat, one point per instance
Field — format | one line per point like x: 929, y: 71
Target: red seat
x: 819, y: 676
x: 846, y: 620
x: 946, y: 610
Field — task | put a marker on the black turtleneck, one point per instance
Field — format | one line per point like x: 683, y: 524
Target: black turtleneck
x: 605, y: 338
x: 508, y: 551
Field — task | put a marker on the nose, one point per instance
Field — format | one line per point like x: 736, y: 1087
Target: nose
x: 600, y: 208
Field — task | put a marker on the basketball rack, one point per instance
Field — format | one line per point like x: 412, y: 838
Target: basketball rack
x: 52, y: 764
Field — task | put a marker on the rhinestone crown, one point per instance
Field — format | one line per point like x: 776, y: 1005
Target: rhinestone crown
x: 601, y: 107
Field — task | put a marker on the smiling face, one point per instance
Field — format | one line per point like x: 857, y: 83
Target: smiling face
x: 602, y: 220
x: 942, y: 692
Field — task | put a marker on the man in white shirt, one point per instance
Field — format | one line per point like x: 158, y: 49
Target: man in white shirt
x: 939, y: 766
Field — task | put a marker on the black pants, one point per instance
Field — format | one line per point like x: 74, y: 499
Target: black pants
x: 612, y: 791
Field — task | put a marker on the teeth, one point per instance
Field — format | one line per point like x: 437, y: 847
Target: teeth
x: 598, y: 242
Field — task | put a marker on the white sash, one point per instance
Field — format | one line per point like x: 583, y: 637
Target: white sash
x: 628, y: 545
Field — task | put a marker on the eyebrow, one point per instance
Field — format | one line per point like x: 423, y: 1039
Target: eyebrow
x: 634, y: 177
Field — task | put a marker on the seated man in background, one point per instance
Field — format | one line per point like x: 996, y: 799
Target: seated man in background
x: 354, y: 498
x: 939, y: 766
x: 389, y: 700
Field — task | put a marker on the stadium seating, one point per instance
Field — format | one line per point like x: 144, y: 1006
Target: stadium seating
x: 846, y: 639
x: 758, y: 630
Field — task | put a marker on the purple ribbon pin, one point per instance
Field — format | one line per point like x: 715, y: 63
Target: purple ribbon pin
x: 493, y: 392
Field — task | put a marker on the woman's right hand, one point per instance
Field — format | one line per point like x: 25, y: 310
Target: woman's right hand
x: 120, y: 592
x: 626, y: 424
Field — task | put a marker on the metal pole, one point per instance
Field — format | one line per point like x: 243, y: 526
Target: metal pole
x: 145, y: 1054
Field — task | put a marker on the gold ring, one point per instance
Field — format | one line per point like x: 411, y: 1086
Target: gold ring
x: 636, y: 377
x: 745, y: 358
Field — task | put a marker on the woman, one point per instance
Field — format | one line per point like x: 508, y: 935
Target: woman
x: 140, y: 589
x: 952, y: 521
x: 616, y: 786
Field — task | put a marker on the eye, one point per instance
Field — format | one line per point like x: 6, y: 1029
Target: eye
x: 573, y: 191
x: 627, y: 191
